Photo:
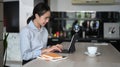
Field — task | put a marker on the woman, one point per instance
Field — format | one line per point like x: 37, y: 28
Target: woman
x: 33, y: 37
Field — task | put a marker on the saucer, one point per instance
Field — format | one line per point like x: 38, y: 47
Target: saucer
x: 96, y: 54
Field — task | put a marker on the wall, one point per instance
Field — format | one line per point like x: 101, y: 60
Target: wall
x: 66, y: 5
x: 13, y: 50
x: 26, y: 8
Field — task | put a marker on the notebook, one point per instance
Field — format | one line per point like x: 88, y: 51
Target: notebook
x: 71, y: 47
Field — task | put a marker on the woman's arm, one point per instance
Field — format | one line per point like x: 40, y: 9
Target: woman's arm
x: 26, y: 49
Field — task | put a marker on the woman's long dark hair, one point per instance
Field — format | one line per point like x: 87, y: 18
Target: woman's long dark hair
x: 39, y: 9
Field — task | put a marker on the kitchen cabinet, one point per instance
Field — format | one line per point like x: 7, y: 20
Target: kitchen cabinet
x: 106, y: 1
x: 93, y: 2
x: 92, y: 24
x: 60, y: 26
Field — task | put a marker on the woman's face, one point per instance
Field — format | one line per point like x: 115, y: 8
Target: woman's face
x: 44, y: 19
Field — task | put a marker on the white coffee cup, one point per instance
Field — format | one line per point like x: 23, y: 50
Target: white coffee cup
x: 92, y: 50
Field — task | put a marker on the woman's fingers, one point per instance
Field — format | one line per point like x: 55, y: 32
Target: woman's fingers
x: 59, y: 46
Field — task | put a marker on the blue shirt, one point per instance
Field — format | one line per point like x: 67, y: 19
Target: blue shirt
x: 32, y: 40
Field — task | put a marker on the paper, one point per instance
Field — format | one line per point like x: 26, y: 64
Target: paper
x: 100, y: 43
x: 42, y: 58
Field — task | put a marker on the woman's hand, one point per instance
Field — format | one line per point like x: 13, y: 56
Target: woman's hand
x: 57, y: 47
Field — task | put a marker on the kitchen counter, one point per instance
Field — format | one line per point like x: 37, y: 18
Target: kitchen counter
x: 109, y: 57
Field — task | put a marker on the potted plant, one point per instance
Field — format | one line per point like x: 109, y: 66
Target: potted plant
x: 5, y: 44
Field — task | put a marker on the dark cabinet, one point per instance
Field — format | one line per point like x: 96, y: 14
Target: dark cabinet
x: 11, y: 16
x: 108, y: 16
x: 92, y: 26
x: 116, y: 44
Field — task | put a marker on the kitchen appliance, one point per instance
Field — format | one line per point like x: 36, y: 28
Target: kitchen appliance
x: 91, y: 28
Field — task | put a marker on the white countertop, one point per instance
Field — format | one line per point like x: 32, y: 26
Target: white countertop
x: 109, y: 57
